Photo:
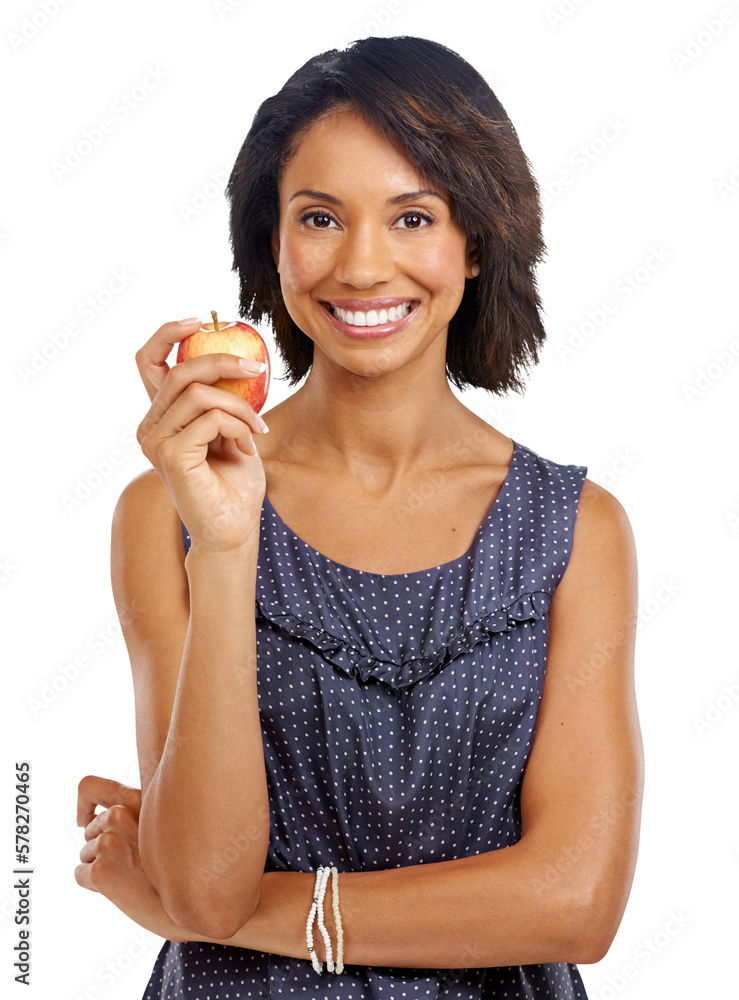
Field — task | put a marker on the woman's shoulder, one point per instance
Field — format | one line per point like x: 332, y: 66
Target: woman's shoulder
x: 145, y: 515
x: 599, y: 503
x: 602, y: 520
x: 144, y: 491
x: 597, y: 509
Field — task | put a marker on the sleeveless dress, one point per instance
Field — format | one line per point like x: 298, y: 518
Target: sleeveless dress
x: 397, y: 715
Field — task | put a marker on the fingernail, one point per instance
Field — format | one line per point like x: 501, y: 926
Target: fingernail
x: 253, y: 366
x: 262, y: 426
x: 189, y: 321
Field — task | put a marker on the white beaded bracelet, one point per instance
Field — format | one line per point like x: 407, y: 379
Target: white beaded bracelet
x: 317, y: 908
x: 309, y: 929
x: 326, y: 872
x: 337, y: 920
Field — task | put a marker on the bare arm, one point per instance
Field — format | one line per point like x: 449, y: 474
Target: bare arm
x: 192, y: 643
x: 204, y: 792
x: 560, y: 892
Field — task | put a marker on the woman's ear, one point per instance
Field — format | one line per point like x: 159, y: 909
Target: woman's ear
x: 275, y: 244
x: 472, y: 267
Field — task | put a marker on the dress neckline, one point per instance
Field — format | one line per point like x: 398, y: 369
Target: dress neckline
x: 340, y: 567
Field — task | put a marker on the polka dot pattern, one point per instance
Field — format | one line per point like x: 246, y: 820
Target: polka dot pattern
x: 397, y: 714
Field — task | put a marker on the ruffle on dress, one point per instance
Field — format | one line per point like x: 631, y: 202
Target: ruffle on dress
x: 356, y: 662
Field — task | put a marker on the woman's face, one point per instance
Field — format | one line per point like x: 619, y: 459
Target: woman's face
x: 372, y: 267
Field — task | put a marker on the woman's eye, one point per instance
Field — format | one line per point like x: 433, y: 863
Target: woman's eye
x: 413, y: 220
x: 317, y: 220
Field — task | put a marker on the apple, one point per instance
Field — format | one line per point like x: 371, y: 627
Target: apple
x: 231, y: 338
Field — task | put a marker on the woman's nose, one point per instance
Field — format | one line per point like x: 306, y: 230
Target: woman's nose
x: 364, y: 258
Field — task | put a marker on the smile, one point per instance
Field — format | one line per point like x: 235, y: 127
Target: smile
x: 372, y: 317
x: 386, y: 318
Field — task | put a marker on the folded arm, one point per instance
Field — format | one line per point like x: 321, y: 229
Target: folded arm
x: 559, y: 893
x: 193, y: 660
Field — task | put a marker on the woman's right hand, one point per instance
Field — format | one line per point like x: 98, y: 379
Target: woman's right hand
x: 199, y: 439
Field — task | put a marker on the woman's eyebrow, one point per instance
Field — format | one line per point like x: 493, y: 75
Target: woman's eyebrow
x: 322, y: 196
x: 318, y: 195
x: 412, y: 195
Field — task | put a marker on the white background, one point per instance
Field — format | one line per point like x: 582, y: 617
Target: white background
x: 641, y: 398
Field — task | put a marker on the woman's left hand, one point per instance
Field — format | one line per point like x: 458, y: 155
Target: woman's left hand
x: 111, y: 863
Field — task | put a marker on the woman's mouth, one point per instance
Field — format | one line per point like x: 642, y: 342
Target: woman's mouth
x: 372, y: 317
x: 375, y: 322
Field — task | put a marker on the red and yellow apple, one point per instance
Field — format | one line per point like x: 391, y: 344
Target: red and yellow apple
x: 231, y: 338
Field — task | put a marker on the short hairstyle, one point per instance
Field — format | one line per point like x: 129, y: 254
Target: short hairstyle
x: 441, y: 113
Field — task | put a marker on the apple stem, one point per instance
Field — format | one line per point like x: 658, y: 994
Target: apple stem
x: 214, y: 314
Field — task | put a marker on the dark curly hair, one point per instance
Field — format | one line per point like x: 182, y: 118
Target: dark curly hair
x: 440, y: 112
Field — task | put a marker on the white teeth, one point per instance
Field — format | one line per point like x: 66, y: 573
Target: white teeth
x: 372, y: 317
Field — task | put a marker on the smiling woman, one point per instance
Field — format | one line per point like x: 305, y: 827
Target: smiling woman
x: 394, y: 646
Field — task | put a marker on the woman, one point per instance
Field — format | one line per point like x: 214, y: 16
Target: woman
x: 374, y: 715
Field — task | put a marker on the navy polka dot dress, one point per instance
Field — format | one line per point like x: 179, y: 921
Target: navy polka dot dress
x: 398, y: 714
